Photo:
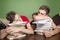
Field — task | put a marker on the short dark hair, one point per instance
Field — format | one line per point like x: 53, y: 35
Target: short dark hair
x: 46, y: 8
x: 35, y: 13
x: 10, y: 16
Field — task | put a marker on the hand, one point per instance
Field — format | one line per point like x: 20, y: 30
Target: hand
x: 11, y: 30
x: 48, y: 33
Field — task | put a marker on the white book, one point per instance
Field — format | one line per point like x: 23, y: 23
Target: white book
x: 18, y: 23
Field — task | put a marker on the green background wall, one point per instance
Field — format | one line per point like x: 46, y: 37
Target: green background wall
x: 27, y: 7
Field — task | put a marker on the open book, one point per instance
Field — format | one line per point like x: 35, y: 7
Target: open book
x: 18, y: 23
x: 44, y: 24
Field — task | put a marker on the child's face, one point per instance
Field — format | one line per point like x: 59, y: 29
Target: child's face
x: 42, y: 12
x: 34, y: 17
x: 16, y: 17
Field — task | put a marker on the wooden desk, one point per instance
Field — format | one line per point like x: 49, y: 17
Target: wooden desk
x: 39, y: 37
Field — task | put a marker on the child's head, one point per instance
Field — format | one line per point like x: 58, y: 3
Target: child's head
x: 12, y: 16
x: 34, y: 15
x: 44, y: 10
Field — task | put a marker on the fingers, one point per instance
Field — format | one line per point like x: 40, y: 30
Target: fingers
x: 9, y: 29
x: 12, y: 29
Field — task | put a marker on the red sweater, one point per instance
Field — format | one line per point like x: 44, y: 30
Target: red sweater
x: 24, y: 18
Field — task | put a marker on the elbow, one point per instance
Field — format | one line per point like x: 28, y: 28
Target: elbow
x: 58, y: 31
x: 31, y: 32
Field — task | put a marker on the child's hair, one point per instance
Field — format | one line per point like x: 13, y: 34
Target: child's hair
x: 10, y: 16
x: 46, y: 8
x: 35, y: 13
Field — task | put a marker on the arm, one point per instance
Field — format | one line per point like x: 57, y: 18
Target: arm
x: 29, y: 29
x: 53, y: 32
x: 3, y: 34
